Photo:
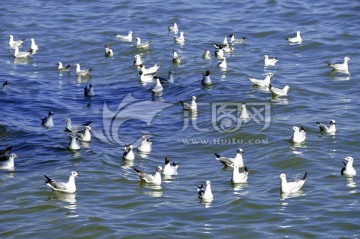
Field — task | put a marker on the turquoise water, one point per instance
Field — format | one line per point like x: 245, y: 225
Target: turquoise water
x: 110, y: 201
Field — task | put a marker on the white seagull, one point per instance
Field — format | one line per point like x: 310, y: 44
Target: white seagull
x: 238, y: 177
x: 291, y: 187
x: 206, y: 55
x: 75, y: 128
x: 144, y: 45
x: 158, y: 87
x: 176, y: 58
x: 244, y: 114
x: 341, y: 66
x: 327, y: 129
x: 206, y: 80
x: 33, y: 46
x: 84, y: 136
x: 170, y: 169
x: 174, y: 28
x: 348, y: 169
x: 13, y: 43
x: 147, y: 77
x: 74, y: 143
x: 222, y: 64
x: 262, y: 83
x: 7, y: 162
x: 299, y: 135
x: 150, y: 70
x: 137, y: 61
x: 22, y: 54
x: 148, y: 178
x: 279, y: 92
x: 62, y: 68
x: 48, y: 122
x: 180, y: 39
x: 89, y: 90
x: 231, y: 162
x: 145, y: 145
x: 205, y: 193
x: 296, y: 39
x: 128, y: 153
x: 127, y: 38
x: 108, y: 51
x: 4, y: 85
x: 189, y: 106
x: 270, y: 61
x: 68, y: 187
x: 80, y: 72
x: 236, y: 41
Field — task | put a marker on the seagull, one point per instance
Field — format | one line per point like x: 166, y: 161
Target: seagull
x: 299, y: 135
x: 348, y: 169
x: 176, y: 58
x: 238, y: 177
x: 279, y: 92
x: 291, y: 187
x: 137, y: 61
x: 327, y: 129
x: 148, y: 178
x: 206, y: 80
x: 205, y: 193
x: 22, y: 54
x: 48, y: 122
x: 341, y: 66
x: 222, y: 64
x: 68, y: 187
x: 219, y: 53
x: 231, y: 162
x: 33, y: 46
x: 262, y: 83
x: 180, y: 39
x: 84, y: 136
x: 222, y: 45
x: 170, y: 78
x: 189, y: 106
x: 108, y: 50
x: 145, y: 145
x: 147, y: 77
x: 158, y: 87
x: 150, y: 70
x: 89, y: 91
x: 80, y: 72
x: 296, y: 39
x: 144, y: 45
x: 173, y: 28
x: 128, y: 153
x: 244, y: 114
x: 206, y: 55
x: 75, y: 128
x: 74, y: 143
x: 170, y: 169
x: 8, y: 162
x: 127, y: 38
x: 62, y: 68
x: 270, y: 61
x: 13, y: 43
x: 236, y: 41
x: 4, y: 85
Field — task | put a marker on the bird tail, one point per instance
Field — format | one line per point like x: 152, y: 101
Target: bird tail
x: 305, y: 175
x: 47, y: 179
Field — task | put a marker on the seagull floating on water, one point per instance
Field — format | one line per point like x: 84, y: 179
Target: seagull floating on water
x: 74, y: 143
x: 148, y: 178
x: 180, y: 39
x: 128, y: 153
x: 279, y: 92
x: 270, y: 61
x: 189, y: 106
x: 15, y: 43
x: 327, y: 129
x: 173, y: 28
x: 238, y: 177
x: 158, y: 87
x: 244, y: 115
x: 262, y: 83
x: 144, y: 78
x: 8, y: 162
x: 299, y: 135
x: 68, y: 187
x: 22, y: 54
x: 75, y: 128
x: 348, y: 169
x: 33, y: 46
x: 48, y: 122
x: 222, y: 64
x: 176, y: 58
x: 206, y: 80
x: 291, y: 187
x: 145, y: 145
x: 127, y: 38
x: 231, y: 162
x: 80, y: 72
x: 296, y: 39
x: 236, y: 41
x: 150, y: 70
x: 84, y: 136
x: 144, y: 45
x: 341, y: 66
x: 206, y: 55
x: 170, y: 169
x: 62, y: 68
x: 108, y: 50
x: 89, y: 91
x: 4, y: 85
x: 137, y: 61
x: 205, y: 193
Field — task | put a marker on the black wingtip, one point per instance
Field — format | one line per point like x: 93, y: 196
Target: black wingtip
x: 47, y: 179
x: 137, y: 170
x: 217, y: 155
x: 167, y: 160
x: 304, y: 177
